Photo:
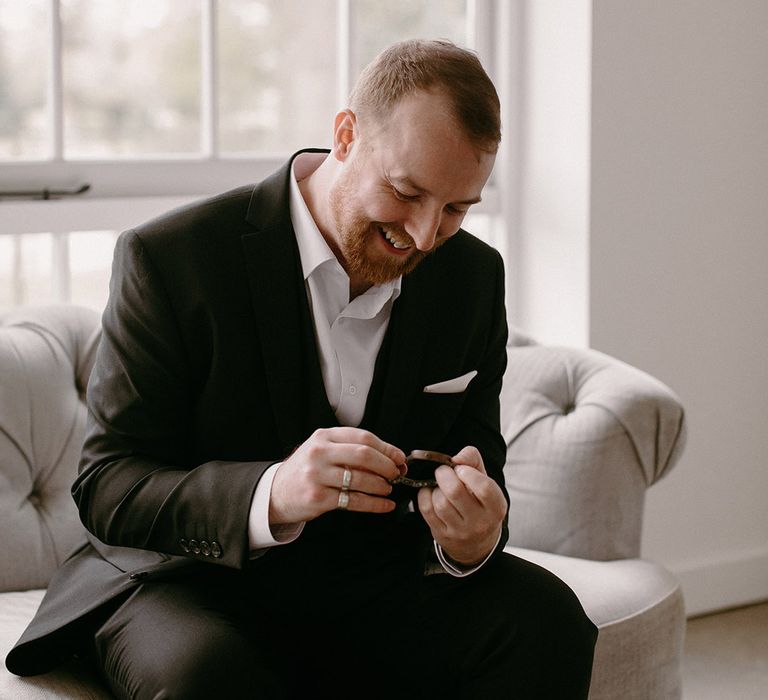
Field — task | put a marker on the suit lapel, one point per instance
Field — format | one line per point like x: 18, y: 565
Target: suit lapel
x: 282, y: 313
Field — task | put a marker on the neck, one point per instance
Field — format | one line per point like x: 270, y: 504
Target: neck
x: 356, y: 288
x: 315, y: 189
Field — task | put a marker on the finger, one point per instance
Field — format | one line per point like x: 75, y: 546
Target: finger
x: 444, y: 509
x: 360, y: 480
x: 452, y: 488
x: 483, y: 488
x: 363, y: 503
x: 427, y: 510
x: 359, y: 454
x: 349, y: 435
x: 471, y: 457
x: 320, y: 454
x: 360, y: 457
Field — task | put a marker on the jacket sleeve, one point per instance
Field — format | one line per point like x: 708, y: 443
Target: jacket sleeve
x: 138, y: 484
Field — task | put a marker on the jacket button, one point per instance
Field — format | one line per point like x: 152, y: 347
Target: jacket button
x: 215, y: 549
x: 205, y: 548
x: 194, y: 545
x: 139, y: 575
x: 184, y: 544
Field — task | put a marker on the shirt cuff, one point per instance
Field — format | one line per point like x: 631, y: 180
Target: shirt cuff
x: 456, y: 569
x: 260, y: 534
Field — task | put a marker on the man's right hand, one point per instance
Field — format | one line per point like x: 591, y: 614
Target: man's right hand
x: 307, y: 484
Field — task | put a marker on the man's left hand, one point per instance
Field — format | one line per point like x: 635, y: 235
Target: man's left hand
x: 466, y: 509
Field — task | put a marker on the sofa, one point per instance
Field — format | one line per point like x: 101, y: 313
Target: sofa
x: 586, y: 435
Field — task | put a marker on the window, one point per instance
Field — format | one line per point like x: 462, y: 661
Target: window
x: 155, y: 102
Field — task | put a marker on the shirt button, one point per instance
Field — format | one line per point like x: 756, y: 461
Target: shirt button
x: 352, y: 389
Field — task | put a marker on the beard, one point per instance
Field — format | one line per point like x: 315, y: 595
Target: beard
x: 358, y: 247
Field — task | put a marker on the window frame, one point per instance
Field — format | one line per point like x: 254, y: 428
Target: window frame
x: 123, y: 192
x: 207, y: 171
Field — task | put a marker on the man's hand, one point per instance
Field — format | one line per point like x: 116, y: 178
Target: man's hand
x: 307, y: 483
x: 466, y: 510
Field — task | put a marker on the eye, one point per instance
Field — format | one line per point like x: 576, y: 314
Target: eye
x: 455, y: 211
x: 403, y: 197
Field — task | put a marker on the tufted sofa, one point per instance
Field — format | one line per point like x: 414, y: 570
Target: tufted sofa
x: 587, y: 435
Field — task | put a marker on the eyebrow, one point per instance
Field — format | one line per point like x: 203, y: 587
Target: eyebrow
x: 405, y: 180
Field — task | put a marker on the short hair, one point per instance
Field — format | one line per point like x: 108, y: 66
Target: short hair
x: 420, y: 64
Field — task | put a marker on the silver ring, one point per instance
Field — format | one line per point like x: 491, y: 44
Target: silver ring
x: 346, y: 480
x: 343, y: 500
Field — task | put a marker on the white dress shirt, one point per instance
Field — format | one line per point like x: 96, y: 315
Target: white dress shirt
x: 348, y: 334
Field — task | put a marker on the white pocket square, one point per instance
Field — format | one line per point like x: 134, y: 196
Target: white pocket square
x: 451, y: 386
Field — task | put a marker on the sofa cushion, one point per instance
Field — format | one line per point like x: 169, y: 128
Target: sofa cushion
x: 71, y: 681
x: 638, y: 609
x: 46, y: 355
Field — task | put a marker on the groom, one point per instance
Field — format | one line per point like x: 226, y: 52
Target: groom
x: 269, y: 359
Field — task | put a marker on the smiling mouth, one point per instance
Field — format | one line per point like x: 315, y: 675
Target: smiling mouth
x: 394, y: 240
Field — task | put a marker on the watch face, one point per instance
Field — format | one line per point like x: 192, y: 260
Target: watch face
x: 421, y: 468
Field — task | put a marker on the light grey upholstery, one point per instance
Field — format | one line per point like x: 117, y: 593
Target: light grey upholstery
x: 46, y: 355
x: 45, y: 359
x: 586, y: 434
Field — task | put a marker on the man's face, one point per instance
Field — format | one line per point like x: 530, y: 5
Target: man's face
x: 404, y: 188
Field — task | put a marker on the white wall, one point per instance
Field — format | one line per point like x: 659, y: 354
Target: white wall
x: 677, y: 245
x: 679, y: 258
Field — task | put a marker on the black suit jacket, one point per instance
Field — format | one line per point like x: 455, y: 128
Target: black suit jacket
x: 207, y: 373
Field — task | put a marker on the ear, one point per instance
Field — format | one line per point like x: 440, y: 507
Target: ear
x: 344, y: 134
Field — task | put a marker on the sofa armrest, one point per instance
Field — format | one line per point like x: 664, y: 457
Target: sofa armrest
x: 586, y: 435
x: 46, y: 354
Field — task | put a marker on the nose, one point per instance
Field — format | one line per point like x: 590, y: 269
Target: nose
x: 423, y: 227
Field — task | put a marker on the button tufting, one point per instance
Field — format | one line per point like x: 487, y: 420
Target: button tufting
x: 34, y: 499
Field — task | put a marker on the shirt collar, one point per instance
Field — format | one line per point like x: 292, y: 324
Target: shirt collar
x: 313, y: 250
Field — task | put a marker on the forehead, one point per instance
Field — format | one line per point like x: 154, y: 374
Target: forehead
x: 420, y: 141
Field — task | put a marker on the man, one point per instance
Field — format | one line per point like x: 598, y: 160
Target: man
x: 269, y: 358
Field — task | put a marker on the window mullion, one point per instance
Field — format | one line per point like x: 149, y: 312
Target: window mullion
x: 61, y: 268
x: 55, y: 93
x: 506, y: 48
x: 470, y: 38
x: 209, y: 91
x: 343, y: 51
x: 480, y: 29
x: 17, y: 280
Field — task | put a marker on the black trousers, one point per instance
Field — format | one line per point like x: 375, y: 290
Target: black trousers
x: 511, y: 630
